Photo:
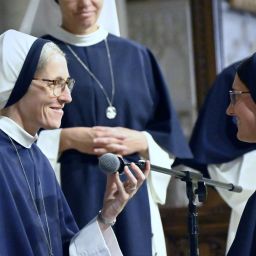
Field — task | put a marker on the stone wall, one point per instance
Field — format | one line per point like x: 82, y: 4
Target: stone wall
x: 165, y: 27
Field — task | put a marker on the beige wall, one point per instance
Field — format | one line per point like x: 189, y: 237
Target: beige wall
x: 11, y: 13
x: 165, y: 27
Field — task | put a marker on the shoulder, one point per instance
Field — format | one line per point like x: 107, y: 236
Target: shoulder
x: 5, y: 147
x: 40, y: 158
x: 8, y: 156
x: 127, y: 43
x: 52, y: 39
x: 45, y: 169
x: 132, y: 50
x: 252, y: 199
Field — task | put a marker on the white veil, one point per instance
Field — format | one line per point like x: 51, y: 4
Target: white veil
x: 42, y: 15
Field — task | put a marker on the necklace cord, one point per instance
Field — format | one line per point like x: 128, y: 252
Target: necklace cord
x: 111, y: 111
x: 47, y: 239
x: 110, y: 102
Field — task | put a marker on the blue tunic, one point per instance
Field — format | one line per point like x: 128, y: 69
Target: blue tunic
x: 20, y: 230
x: 142, y: 103
x: 245, y: 239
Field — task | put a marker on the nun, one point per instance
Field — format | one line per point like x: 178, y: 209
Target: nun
x: 35, y: 218
x: 243, y: 107
x: 217, y: 151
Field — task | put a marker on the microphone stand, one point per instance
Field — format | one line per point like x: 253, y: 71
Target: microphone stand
x: 192, y: 191
x: 195, y: 187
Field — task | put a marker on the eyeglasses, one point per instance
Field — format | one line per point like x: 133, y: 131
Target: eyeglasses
x: 234, y: 95
x: 58, y: 85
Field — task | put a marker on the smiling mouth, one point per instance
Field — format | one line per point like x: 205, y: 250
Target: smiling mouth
x: 86, y: 14
x: 57, y: 109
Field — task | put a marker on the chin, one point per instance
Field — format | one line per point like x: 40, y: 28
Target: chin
x: 244, y: 138
x: 52, y: 125
x: 56, y: 125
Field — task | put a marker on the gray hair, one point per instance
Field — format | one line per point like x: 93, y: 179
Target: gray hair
x: 48, y: 50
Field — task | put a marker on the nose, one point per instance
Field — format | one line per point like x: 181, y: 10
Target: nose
x: 85, y: 2
x: 230, y: 110
x: 65, y: 96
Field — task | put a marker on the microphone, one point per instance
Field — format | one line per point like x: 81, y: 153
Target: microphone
x: 110, y: 163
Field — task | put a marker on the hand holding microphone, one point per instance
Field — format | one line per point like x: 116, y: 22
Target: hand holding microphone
x: 119, y: 192
x: 110, y: 163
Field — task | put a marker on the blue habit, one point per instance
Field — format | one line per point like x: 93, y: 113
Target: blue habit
x: 142, y: 102
x: 213, y: 139
x: 245, y: 239
x: 20, y: 230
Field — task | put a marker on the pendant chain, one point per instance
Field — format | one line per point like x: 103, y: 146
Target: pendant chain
x: 47, y: 239
x: 110, y: 102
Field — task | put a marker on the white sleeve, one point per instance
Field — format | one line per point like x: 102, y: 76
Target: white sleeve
x: 48, y: 141
x: 158, y: 182
x: 157, y: 185
x: 91, y: 241
x: 240, y: 171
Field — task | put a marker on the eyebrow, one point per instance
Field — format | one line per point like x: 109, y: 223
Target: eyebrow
x: 59, y: 77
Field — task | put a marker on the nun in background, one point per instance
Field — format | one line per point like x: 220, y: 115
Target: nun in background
x: 35, y: 219
x: 217, y: 151
x: 243, y: 107
x: 120, y: 105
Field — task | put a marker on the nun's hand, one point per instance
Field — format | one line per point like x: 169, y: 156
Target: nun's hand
x: 118, y: 193
x: 119, y: 140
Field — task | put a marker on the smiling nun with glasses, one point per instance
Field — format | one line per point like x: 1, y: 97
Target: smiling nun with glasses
x: 243, y: 107
x: 34, y: 216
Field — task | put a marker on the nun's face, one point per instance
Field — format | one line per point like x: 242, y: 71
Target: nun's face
x: 39, y: 107
x: 244, y: 109
x: 80, y: 16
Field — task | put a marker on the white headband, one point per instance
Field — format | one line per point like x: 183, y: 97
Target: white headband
x: 42, y: 15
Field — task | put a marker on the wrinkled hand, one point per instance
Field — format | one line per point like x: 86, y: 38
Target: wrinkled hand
x: 119, y: 140
x: 118, y: 193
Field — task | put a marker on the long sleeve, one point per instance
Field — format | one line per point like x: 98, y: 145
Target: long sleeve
x: 157, y: 184
x: 90, y: 241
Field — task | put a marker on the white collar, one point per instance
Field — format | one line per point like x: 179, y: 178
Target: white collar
x: 79, y: 40
x: 17, y: 133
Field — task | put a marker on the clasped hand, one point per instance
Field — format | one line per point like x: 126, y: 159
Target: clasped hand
x: 99, y: 140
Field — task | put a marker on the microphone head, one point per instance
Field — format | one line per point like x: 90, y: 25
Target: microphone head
x: 109, y: 163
